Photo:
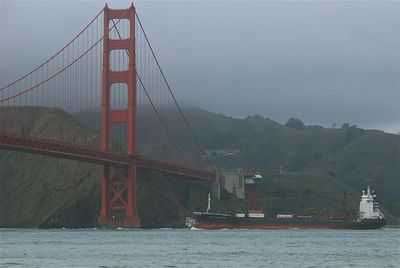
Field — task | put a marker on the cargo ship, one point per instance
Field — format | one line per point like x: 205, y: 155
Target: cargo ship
x: 369, y: 217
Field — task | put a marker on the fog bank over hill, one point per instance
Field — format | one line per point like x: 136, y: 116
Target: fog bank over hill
x: 324, y: 62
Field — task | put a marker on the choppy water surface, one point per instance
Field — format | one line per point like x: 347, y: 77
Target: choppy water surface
x: 200, y: 248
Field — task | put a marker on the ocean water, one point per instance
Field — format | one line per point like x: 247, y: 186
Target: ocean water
x: 199, y: 248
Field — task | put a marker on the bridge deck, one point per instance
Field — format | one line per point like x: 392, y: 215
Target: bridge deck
x: 97, y: 156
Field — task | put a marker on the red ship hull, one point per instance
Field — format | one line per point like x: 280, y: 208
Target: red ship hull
x: 213, y: 221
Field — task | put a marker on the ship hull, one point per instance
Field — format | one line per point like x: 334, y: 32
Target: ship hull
x: 218, y: 221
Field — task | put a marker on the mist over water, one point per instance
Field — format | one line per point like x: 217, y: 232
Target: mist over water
x: 200, y: 248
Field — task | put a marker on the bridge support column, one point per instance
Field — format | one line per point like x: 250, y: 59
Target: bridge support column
x: 118, y: 185
x: 132, y: 220
x: 104, y: 199
x: 119, y: 198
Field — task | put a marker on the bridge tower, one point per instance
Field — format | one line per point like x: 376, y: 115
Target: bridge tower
x: 118, y: 186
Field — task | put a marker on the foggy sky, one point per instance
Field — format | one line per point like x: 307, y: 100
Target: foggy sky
x: 323, y: 62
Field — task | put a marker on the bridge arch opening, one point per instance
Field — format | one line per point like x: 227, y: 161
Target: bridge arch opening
x: 119, y: 29
x: 119, y: 60
x: 118, y: 96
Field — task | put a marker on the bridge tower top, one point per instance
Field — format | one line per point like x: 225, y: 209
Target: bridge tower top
x: 125, y: 116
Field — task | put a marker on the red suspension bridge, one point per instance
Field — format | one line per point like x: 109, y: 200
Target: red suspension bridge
x: 109, y: 72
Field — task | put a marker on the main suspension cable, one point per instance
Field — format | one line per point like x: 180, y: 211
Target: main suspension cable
x: 152, y: 103
x: 172, y: 94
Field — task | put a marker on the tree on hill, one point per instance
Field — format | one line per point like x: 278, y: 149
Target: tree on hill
x: 295, y: 123
x: 345, y: 125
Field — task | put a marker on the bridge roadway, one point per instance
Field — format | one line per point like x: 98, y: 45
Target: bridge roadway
x: 97, y: 156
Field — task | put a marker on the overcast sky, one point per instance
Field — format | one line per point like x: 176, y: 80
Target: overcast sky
x: 324, y: 62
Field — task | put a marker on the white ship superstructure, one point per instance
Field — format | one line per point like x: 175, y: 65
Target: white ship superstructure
x: 369, y: 206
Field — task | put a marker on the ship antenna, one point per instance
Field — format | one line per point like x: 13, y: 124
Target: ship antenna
x: 209, y: 202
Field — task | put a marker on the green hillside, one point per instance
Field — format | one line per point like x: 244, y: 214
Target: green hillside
x: 353, y: 156
x: 38, y: 191
x: 318, y: 166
